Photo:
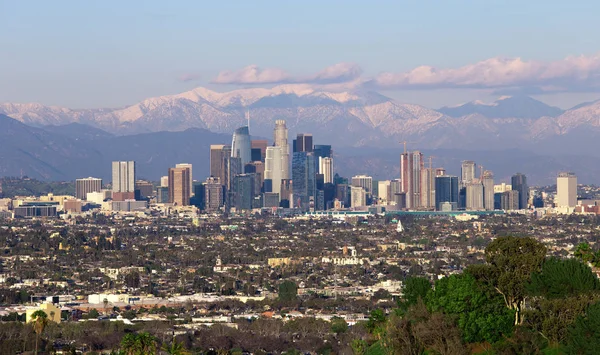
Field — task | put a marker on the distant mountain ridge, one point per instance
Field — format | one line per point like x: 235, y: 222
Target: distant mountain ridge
x: 343, y: 119
x: 505, y: 107
x: 67, y: 152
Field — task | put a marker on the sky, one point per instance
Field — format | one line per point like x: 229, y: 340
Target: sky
x: 91, y: 54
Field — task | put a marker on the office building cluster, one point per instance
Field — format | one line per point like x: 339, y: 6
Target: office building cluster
x: 254, y: 174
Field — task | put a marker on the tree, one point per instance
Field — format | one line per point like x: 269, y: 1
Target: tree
x: 138, y: 344
x: 40, y: 321
x: 584, y: 253
x: 584, y: 335
x: 480, y: 314
x: 510, y: 263
x: 93, y: 313
x: 175, y: 348
x: 339, y: 325
x: 288, y: 291
x: 560, y: 278
x: 415, y: 288
x: 553, y: 317
x: 420, y: 330
x: 132, y: 279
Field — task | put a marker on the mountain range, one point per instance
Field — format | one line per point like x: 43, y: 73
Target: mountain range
x: 351, y: 118
x: 518, y: 128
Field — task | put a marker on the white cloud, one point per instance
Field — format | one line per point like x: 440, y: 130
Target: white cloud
x: 572, y: 73
x: 252, y: 74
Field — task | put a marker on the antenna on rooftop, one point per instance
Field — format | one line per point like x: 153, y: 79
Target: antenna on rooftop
x: 248, y: 118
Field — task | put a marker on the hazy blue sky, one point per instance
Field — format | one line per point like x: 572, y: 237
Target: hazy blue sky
x: 112, y: 53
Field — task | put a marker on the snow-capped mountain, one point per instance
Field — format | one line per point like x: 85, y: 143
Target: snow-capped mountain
x: 341, y: 118
x: 505, y: 107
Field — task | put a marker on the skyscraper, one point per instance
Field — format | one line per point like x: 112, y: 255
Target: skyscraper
x: 326, y: 168
x: 232, y: 168
x: 474, y: 196
x: 519, y: 183
x: 260, y: 145
x: 280, y: 139
x: 383, y: 192
x: 240, y: 145
x: 164, y: 181
x: 213, y: 191
x: 487, y: 179
x: 84, y: 186
x: 123, y: 176
x: 303, y: 143
x: 244, y: 191
x: 566, y: 190
x: 191, y: 176
x: 467, y: 170
x: 179, y: 187
x: 323, y: 150
x: 364, y: 181
x: 411, y: 164
x: 216, y: 160
x: 273, y: 169
x: 358, y: 196
x: 428, y: 188
x: 303, y: 176
x: 446, y: 191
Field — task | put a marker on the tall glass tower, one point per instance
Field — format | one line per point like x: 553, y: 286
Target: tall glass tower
x: 241, y: 146
x: 280, y: 139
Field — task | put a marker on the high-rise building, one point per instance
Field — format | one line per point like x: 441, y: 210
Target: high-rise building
x: 411, y: 164
x: 342, y: 194
x: 519, y: 183
x: 383, y: 192
x: 303, y: 143
x: 358, y: 196
x: 162, y: 194
x: 280, y: 139
x: 446, y: 191
x: 164, y: 181
x: 244, y: 191
x: 428, y: 188
x: 191, y: 177
x: 198, y: 199
x: 261, y: 146
x: 303, y: 176
x: 474, y: 196
x: 487, y: 179
x: 87, y: 185
x: 213, y: 191
x: 323, y: 151
x: 364, y: 181
x: 240, y: 145
x: 232, y: 168
x: 143, y: 189
x: 217, y: 155
x: 326, y: 168
x: 509, y: 200
x: 566, y: 190
x: 179, y: 188
x: 274, y: 169
x: 287, y: 193
x: 123, y: 176
x: 467, y: 172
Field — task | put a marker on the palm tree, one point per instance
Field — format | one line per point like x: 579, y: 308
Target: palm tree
x: 138, y: 344
x: 175, y: 348
x: 40, y: 320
